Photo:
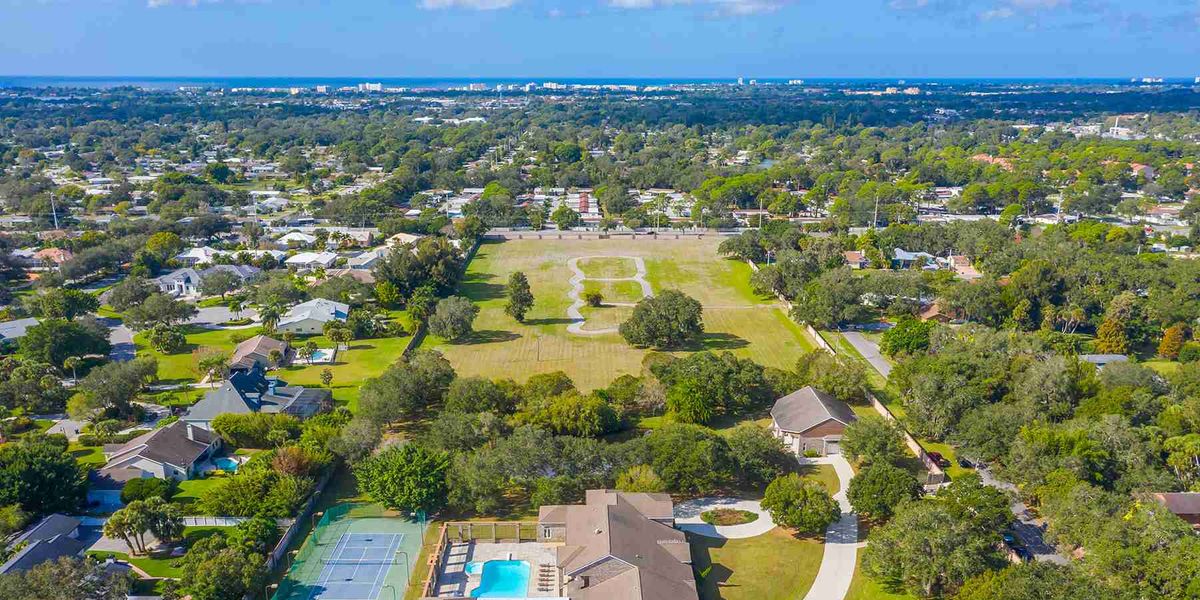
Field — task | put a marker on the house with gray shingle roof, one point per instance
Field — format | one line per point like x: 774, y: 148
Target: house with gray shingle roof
x: 809, y: 419
x: 309, y: 318
x: 51, y: 538
x: 172, y: 452
x: 251, y: 391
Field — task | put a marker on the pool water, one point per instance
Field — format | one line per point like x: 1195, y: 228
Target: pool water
x: 226, y: 464
x: 503, y: 579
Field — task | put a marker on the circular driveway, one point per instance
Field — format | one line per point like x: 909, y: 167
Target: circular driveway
x: 687, y: 518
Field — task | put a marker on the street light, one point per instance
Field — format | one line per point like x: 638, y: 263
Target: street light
x: 388, y: 585
x: 267, y: 590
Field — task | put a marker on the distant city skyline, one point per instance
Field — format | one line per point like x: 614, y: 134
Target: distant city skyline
x: 546, y: 39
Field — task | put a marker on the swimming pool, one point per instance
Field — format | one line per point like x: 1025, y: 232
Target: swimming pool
x: 502, y: 579
x: 226, y: 464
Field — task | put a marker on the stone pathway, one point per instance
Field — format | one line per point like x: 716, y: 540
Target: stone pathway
x: 841, y: 538
x: 576, y: 293
x: 687, y: 518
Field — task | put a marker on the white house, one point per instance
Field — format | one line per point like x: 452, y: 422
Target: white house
x: 296, y: 238
x: 197, y: 256
x: 312, y: 260
x: 310, y: 317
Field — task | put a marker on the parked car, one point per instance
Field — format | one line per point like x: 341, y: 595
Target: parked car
x: 939, y: 460
x: 964, y: 463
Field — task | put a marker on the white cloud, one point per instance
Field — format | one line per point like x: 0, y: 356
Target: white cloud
x: 467, y: 4
x: 719, y: 7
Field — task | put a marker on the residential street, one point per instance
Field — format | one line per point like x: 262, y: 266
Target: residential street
x: 121, y: 339
x: 1028, y: 530
x: 869, y: 350
x: 1025, y: 527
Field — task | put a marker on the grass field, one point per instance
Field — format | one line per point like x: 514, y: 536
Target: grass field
x: 772, y: 566
x: 735, y: 319
x: 362, y: 360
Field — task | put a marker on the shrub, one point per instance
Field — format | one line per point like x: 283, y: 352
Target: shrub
x: 800, y: 504
x: 254, y: 430
x: 1190, y: 352
x: 593, y: 298
x: 148, y: 487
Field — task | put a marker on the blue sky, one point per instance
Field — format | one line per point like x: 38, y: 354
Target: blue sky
x: 602, y: 38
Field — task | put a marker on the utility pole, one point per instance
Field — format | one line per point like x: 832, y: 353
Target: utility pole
x: 53, y: 210
x: 875, y: 215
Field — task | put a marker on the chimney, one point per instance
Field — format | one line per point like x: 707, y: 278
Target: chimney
x: 191, y: 435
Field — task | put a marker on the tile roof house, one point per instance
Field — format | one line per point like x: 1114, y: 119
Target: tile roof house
x: 856, y: 259
x: 809, y: 419
x: 309, y: 318
x: 620, y: 546
x: 173, y: 452
x: 250, y: 391
x: 51, y: 256
x: 51, y: 538
x: 1185, y: 505
x: 256, y: 352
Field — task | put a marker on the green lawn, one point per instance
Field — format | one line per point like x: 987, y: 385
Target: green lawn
x: 735, y: 319
x: 180, y: 367
x: 608, y: 268
x: 163, y: 567
x: 192, y: 490
x: 615, y: 291
x: 364, y: 359
x: 772, y: 566
x: 1162, y: 366
x: 90, y: 456
x: 865, y: 588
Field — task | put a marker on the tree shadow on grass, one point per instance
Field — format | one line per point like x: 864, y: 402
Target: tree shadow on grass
x: 478, y: 287
x: 488, y: 336
x: 722, y: 341
x: 549, y: 321
x: 710, y: 577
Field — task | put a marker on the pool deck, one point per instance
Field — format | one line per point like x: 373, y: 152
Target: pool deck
x: 454, y: 581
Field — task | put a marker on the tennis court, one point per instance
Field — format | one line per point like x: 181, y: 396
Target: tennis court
x: 356, y: 552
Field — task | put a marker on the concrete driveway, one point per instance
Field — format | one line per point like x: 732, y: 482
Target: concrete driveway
x: 869, y: 350
x: 687, y: 518
x: 841, y: 538
x: 214, y: 316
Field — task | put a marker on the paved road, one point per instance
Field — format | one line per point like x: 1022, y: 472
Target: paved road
x: 869, y: 350
x: 121, y: 339
x: 1026, y: 528
x: 841, y: 539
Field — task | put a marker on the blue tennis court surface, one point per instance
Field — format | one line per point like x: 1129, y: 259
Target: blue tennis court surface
x: 357, y: 567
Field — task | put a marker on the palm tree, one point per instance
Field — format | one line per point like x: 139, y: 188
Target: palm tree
x: 270, y: 315
x: 310, y: 350
x: 236, y: 307
x: 72, y: 363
